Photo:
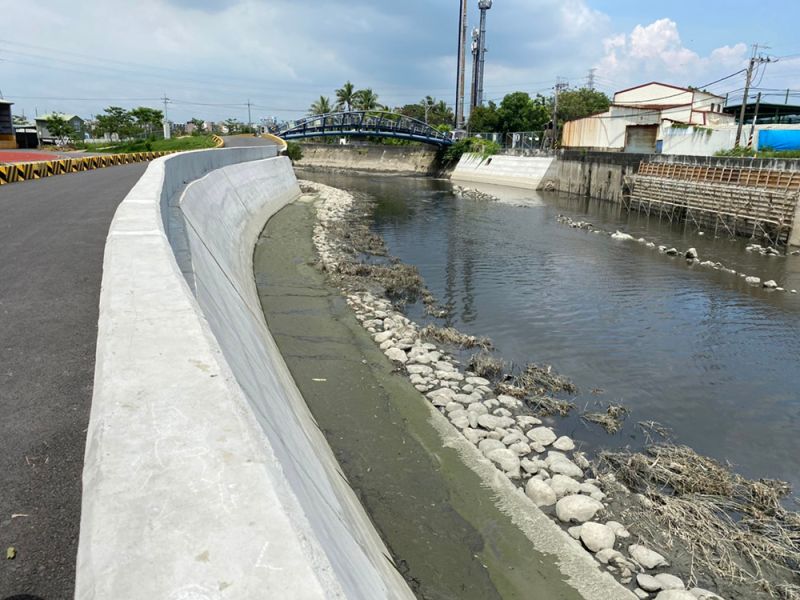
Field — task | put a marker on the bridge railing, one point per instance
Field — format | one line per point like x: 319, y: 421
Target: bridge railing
x: 378, y: 123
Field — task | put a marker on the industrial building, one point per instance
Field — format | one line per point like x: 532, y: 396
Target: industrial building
x: 653, y: 118
x: 46, y: 137
x: 7, y: 139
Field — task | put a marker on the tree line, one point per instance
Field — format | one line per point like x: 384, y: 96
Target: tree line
x: 517, y: 111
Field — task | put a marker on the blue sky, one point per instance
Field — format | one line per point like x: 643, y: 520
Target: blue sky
x: 211, y: 56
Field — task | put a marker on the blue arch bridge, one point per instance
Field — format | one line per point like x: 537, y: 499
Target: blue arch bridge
x: 368, y: 123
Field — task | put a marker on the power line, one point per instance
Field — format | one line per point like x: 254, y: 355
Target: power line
x: 755, y: 59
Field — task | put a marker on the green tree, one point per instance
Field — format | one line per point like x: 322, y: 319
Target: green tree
x: 519, y: 112
x: 577, y: 104
x: 320, y: 107
x: 484, y: 119
x: 346, y: 96
x: 234, y: 125
x: 435, y: 112
x: 147, y: 120
x: 199, y: 124
x: 366, y: 100
x: 19, y: 120
x: 60, y: 129
x: 116, y: 120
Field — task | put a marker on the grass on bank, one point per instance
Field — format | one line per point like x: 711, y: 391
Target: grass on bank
x: 744, y: 152
x: 189, y: 142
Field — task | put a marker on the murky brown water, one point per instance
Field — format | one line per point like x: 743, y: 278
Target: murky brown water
x: 697, y: 350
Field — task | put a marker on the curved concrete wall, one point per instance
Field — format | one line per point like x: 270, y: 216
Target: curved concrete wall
x: 206, y: 476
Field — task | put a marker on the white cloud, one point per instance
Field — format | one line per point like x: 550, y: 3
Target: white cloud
x: 655, y: 51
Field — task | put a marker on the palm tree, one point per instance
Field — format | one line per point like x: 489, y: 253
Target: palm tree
x: 320, y: 107
x: 366, y: 100
x: 346, y: 96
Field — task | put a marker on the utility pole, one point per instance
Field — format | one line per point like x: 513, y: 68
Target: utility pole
x: 462, y: 44
x: 560, y: 85
x: 755, y: 59
x: 476, y: 69
x: 755, y: 119
x: 590, y: 79
x: 167, y: 132
x: 483, y: 5
x: 249, y: 118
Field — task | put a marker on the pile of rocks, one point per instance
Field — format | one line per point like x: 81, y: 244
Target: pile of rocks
x: 690, y: 255
x: 565, y: 220
x: 473, y: 194
x: 763, y: 250
x: 546, y: 467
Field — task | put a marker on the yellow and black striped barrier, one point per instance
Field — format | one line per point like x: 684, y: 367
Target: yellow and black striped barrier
x: 218, y: 141
x: 14, y: 172
x: 280, y: 142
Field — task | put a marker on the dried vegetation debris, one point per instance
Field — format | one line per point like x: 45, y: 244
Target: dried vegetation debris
x: 453, y: 337
x: 732, y: 528
x: 542, y: 379
x: 610, y: 420
x: 485, y: 365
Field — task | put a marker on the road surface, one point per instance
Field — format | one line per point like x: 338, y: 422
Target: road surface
x: 52, y: 237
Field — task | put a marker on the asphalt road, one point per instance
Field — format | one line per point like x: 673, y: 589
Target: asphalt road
x: 52, y: 236
x: 237, y: 141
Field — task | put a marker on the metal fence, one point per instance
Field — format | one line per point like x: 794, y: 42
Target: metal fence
x: 520, y: 143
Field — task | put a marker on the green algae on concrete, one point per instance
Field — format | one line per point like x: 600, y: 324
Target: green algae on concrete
x: 446, y: 532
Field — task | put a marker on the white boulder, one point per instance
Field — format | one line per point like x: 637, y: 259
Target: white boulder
x: 564, y: 443
x: 670, y: 582
x: 542, y: 435
x: 649, y: 559
x: 396, y: 355
x: 563, y: 485
x: 578, y: 509
x: 596, y: 536
x: 675, y: 595
x: 647, y: 582
x: 541, y: 493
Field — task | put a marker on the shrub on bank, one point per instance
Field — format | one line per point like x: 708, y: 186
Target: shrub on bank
x: 473, y: 145
x: 294, y: 151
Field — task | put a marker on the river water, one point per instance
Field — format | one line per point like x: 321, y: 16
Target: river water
x: 697, y: 350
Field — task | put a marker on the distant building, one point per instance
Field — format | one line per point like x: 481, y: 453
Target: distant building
x: 646, y: 118
x: 7, y: 139
x: 46, y: 137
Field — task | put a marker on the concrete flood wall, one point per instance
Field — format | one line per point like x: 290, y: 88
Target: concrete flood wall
x: 205, y: 475
x: 607, y: 175
x: 371, y: 158
x: 515, y: 171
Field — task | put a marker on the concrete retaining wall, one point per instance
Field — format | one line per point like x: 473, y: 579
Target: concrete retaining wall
x: 514, y: 171
x: 372, y: 158
x: 205, y: 475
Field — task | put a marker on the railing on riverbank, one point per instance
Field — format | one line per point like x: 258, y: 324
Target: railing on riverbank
x: 756, y: 202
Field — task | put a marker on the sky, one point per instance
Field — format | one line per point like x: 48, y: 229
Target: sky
x: 211, y: 57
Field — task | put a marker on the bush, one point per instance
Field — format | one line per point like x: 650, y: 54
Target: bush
x: 294, y: 151
x: 741, y: 151
x: 485, y: 148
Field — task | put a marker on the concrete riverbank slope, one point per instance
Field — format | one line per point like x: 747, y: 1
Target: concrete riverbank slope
x: 205, y: 475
